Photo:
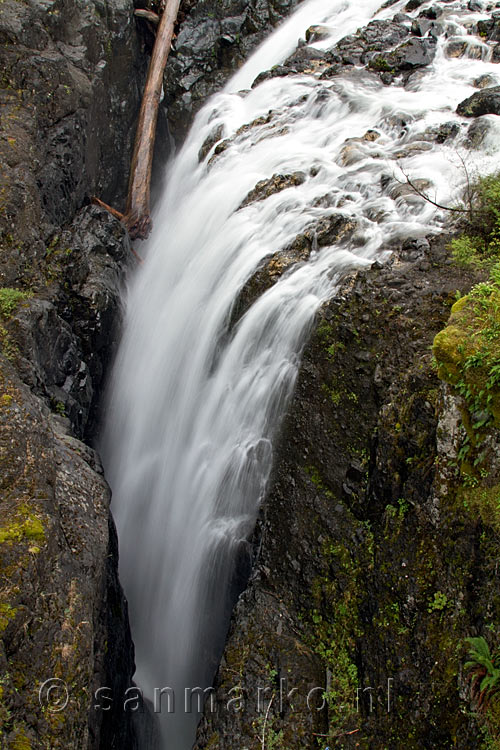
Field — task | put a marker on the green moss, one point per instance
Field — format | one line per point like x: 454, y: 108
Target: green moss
x: 26, y: 526
x: 213, y: 741
x: 467, y: 353
x: 485, y: 501
x: 315, y: 477
x: 7, y: 613
x: 9, y: 300
x: 20, y: 741
x: 333, y: 625
x: 380, y: 64
x: 438, y: 602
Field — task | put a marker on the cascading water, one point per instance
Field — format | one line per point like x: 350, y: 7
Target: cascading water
x: 195, y: 400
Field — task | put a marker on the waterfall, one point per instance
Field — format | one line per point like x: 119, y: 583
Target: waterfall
x: 197, y: 396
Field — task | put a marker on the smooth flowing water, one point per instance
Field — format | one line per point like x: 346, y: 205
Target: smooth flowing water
x: 194, y: 403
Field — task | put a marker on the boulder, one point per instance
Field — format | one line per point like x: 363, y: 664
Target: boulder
x: 484, y: 102
x: 317, y: 33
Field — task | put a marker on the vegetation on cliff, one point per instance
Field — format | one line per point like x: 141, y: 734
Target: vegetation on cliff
x: 467, y: 354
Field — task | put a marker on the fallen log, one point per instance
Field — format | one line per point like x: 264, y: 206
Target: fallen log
x: 137, y: 217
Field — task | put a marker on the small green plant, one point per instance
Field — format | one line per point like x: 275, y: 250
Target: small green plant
x: 380, y: 64
x: 469, y: 251
x: 404, y: 506
x: 479, y: 246
x: 58, y: 407
x: 438, y: 603
x: 269, y: 737
x: 484, y: 671
x: 9, y: 300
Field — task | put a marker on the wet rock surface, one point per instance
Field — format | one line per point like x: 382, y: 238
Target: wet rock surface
x: 70, y: 90
x: 72, y: 74
x: 214, y: 39
x: 56, y: 543
x: 327, y: 231
x: 275, y: 184
x: 364, y: 552
x: 484, y: 102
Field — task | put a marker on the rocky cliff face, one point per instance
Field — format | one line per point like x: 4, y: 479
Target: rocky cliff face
x: 214, y: 39
x: 376, y: 550
x: 70, y: 89
x: 370, y: 569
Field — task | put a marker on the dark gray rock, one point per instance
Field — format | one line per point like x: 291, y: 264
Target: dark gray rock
x: 63, y: 612
x: 415, y: 53
x: 485, y: 102
x: 279, y: 71
x: 431, y: 13
x: 69, y: 98
x: 377, y: 36
x: 485, y: 81
x: 72, y: 74
x: 274, y: 184
x: 424, y: 26
x: 66, y: 342
x: 477, y: 132
x: 213, y: 40
x: 214, y: 137
x: 317, y: 33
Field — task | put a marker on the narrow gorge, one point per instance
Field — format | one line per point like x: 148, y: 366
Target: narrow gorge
x: 293, y: 384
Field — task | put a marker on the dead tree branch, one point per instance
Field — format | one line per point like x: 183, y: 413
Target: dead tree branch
x: 426, y: 197
x: 137, y: 217
x: 148, y: 15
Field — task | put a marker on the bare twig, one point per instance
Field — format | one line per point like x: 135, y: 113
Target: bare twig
x: 98, y: 202
x: 426, y: 197
x: 335, y: 736
x: 470, y: 192
x: 263, y: 740
x: 137, y: 256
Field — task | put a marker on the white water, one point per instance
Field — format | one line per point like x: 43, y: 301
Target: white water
x: 194, y: 408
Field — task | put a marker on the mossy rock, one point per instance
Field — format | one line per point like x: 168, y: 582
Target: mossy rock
x: 467, y: 351
x: 485, y: 500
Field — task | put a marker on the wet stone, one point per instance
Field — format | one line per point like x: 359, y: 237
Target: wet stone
x: 317, y: 33
x: 484, y: 81
x: 477, y: 132
x: 275, y: 184
x: 210, y: 141
x: 485, y: 102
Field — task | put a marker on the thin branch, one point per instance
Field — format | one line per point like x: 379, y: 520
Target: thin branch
x: 148, y: 15
x: 426, y: 197
x: 137, y: 256
x: 112, y: 211
x: 263, y: 740
x: 470, y: 192
x: 335, y: 736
